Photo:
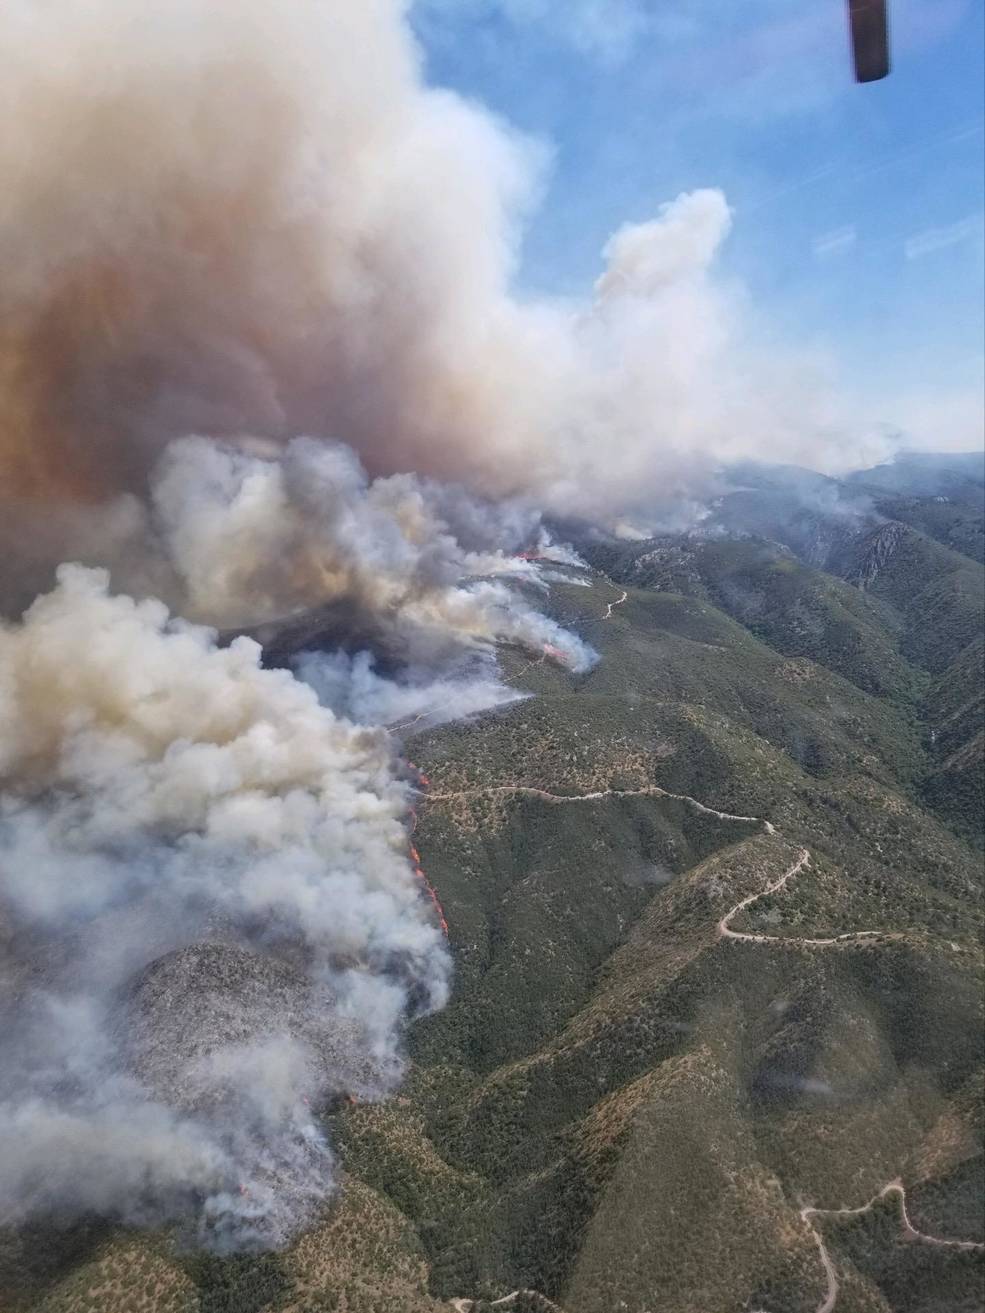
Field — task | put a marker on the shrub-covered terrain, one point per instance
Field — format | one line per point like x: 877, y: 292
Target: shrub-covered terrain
x: 622, y: 1108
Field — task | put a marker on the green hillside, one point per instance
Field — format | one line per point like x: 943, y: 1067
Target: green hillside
x: 624, y: 1107
x: 939, y: 594
x: 896, y: 614
x: 797, y: 610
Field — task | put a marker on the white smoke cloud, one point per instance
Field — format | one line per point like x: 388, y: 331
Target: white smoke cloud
x: 940, y: 418
x: 644, y: 258
x: 259, y: 537
x: 251, y: 223
x: 352, y: 687
x: 266, y: 223
x: 161, y: 793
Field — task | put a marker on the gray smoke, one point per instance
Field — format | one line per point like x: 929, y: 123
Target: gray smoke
x: 352, y: 687
x: 263, y: 222
x: 256, y: 538
x: 247, y: 223
x: 162, y: 793
x: 210, y: 921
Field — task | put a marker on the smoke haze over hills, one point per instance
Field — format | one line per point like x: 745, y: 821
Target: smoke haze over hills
x: 271, y: 226
x: 259, y: 354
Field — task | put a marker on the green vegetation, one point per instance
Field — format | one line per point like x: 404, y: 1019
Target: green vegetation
x: 619, y: 1109
x: 905, y: 624
x: 794, y: 609
x: 906, y: 1277
x: 953, y: 711
x: 957, y: 526
x: 939, y: 595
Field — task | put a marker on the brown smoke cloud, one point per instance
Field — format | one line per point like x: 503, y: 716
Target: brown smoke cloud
x: 262, y: 222
x: 225, y: 226
x: 210, y: 919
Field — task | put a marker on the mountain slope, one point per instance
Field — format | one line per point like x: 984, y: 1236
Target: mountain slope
x: 675, y: 1027
x: 894, y: 613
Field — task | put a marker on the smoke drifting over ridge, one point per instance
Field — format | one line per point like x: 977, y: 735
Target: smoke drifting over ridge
x: 164, y: 793
x: 265, y: 223
x: 211, y: 919
x: 221, y: 230
x: 254, y: 539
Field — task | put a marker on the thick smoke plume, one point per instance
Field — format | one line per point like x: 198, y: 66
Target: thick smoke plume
x: 224, y: 227
x: 354, y: 688
x: 165, y: 793
x: 255, y: 539
x: 261, y: 221
x: 210, y: 914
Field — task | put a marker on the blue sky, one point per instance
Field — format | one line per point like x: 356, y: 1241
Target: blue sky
x: 858, y: 209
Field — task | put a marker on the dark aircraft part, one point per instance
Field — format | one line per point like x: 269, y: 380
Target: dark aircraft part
x: 870, y: 39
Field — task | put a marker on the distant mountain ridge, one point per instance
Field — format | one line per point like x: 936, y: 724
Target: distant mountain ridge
x: 715, y: 912
x: 907, y: 538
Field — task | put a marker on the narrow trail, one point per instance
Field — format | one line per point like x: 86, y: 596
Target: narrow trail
x: 395, y: 728
x: 536, y: 661
x: 508, y: 1301
x: 545, y: 795
x: 581, y: 621
x: 612, y: 605
x: 725, y: 931
x: 909, y: 1231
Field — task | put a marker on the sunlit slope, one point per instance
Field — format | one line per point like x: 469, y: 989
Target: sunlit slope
x: 904, y: 624
x: 651, y: 1065
x: 803, y: 1072
x: 799, y: 610
x: 940, y: 597
x: 938, y: 593
x: 942, y: 496
x: 365, y: 1258
x: 953, y: 710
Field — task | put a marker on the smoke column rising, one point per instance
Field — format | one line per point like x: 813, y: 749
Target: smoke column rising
x: 224, y: 227
x: 262, y: 222
x: 168, y: 793
x: 211, y: 920
x: 254, y: 538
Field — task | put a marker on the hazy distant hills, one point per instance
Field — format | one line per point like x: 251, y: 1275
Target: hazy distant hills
x: 942, y: 496
x: 860, y: 582
x: 627, y: 1106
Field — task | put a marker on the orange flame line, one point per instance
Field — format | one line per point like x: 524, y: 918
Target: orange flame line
x: 425, y: 783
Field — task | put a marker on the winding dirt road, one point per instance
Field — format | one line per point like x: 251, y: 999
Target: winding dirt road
x: 545, y: 795
x: 724, y: 931
x: 909, y: 1231
x: 508, y: 1301
x: 724, y: 928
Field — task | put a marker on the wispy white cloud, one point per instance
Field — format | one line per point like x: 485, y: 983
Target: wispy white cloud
x: 836, y: 242
x: 971, y: 227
